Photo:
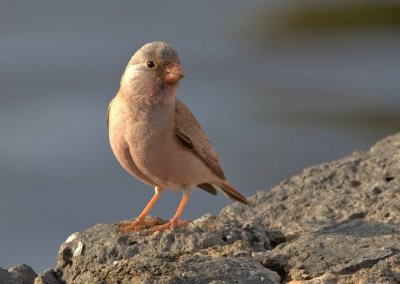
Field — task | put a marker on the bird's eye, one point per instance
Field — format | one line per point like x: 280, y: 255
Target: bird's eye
x: 150, y: 64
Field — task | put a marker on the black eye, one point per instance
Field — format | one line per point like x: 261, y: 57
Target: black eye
x: 150, y: 64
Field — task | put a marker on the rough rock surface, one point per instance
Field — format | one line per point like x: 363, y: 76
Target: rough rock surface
x: 341, y: 220
x: 362, y: 185
x: 49, y: 276
x: 337, y: 222
x: 338, y: 252
x: 19, y: 274
x: 208, y: 250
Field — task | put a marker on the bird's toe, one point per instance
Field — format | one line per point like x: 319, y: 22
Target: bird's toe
x: 139, y: 224
x: 170, y: 225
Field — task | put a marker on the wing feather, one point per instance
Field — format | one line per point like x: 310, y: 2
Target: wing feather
x: 190, y: 134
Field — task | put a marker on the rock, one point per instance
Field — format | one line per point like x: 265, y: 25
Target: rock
x: 49, y: 276
x: 19, y: 274
x: 363, y: 185
x: 339, y: 251
x: 208, y: 250
x: 338, y: 222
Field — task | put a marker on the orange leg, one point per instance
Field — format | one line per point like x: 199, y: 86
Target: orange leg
x: 175, y: 221
x: 141, y: 221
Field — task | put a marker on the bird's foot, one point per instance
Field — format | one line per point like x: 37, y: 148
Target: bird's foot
x: 140, y: 224
x: 169, y: 225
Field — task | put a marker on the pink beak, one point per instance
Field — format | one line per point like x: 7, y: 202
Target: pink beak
x: 173, y: 73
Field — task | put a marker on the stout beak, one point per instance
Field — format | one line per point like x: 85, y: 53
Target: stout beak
x: 173, y: 73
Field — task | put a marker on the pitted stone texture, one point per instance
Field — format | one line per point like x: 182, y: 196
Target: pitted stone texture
x: 342, y: 250
x: 362, y: 185
x: 49, y: 276
x: 333, y: 223
x: 19, y: 274
x: 210, y: 249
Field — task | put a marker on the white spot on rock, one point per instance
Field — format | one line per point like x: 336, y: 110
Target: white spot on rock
x: 71, y: 238
x: 79, y: 248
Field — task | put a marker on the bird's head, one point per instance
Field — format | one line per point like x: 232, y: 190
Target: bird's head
x: 155, y: 68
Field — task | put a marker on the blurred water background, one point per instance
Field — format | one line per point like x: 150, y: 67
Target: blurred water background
x: 278, y: 86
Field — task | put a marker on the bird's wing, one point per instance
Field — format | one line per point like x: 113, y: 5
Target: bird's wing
x: 190, y: 134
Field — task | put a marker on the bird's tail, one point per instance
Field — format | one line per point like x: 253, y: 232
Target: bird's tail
x: 232, y: 193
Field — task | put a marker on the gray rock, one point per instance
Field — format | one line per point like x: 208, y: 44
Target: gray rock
x: 340, y: 251
x: 362, y: 185
x: 338, y: 222
x: 205, y: 251
x: 49, y: 276
x: 19, y: 274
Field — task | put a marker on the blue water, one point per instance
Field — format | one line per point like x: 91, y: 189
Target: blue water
x: 271, y: 107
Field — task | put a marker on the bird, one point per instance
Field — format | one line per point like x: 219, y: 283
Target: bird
x: 156, y: 138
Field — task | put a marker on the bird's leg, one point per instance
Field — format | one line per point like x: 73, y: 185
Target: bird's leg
x: 141, y: 221
x: 175, y: 221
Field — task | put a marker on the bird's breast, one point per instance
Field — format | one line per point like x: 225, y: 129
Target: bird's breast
x: 143, y: 140
x: 142, y: 128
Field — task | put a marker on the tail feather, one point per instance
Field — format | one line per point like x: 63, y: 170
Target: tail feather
x: 208, y: 187
x: 232, y: 193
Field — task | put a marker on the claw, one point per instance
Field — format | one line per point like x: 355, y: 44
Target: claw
x: 140, y: 224
x: 170, y: 225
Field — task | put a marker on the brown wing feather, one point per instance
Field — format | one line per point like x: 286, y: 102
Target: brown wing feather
x: 190, y: 134
x: 208, y: 187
